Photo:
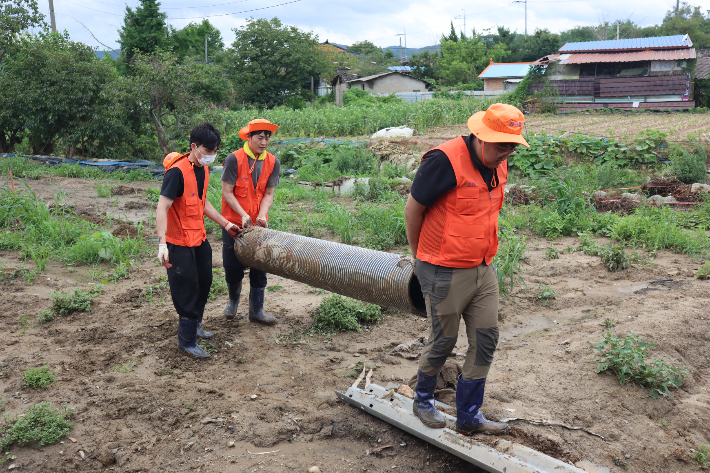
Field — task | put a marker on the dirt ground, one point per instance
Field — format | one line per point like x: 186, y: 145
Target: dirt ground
x: 623, y: 126
x: 175, y: 414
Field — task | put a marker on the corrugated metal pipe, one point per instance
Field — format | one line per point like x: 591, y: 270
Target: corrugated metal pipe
x: 385, y: 279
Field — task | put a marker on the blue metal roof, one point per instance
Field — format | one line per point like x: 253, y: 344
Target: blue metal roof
x: 677, y: 41
x: 399, y: 68
x: 505, y: 70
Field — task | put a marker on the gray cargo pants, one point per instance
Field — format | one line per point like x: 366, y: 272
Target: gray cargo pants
x: 452, y: 293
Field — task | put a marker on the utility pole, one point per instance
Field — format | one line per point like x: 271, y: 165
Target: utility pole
x: 464, y: 19
x: 400, y: 45
x: 526, y: 14
x: 205, y: 49
x: 617, y: 30
x: 51, y: 16
x: 677, y: 7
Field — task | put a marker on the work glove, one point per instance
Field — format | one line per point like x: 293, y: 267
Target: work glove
x: 163, y: 255
x: 232, y: 229
x: 246, y: 222
x: 261, y: 222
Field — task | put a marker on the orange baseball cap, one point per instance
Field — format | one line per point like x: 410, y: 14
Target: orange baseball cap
x: 257, y: 125
x: 501, y: 123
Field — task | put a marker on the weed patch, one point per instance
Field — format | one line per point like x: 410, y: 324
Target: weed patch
x: 701, y: 456
x: 38, y: 378
x: 208, y: 347
x: 126, y: 367
x: 64, y: 303
x: 219, y: 285
x: 40, y: 423
x: 552, y: 253
x: 703, y: 271
x: 615, y: 258
x: 628, y: 358
x: 545, y: 294
x: 340, y: 313
x: 511, y: 249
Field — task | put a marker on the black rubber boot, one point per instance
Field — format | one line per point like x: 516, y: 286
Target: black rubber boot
x: 202, y: 333
x: 187, y: 338
x: 469, y: 399
x: 424, y: 406
x: 235, y: 292
x: 256, y: 307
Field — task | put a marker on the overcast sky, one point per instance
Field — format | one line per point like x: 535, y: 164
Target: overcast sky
x: 346, y: 22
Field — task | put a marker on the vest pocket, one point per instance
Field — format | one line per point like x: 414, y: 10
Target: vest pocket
x: 468, y: 230
x: 466, y: 200
x: 240, y: 190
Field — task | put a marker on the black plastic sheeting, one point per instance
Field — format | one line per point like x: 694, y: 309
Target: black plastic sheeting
x: 156, y: 169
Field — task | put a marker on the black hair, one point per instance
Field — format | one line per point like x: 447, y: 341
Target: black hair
x: 258, y: 132
x: 205, y: 134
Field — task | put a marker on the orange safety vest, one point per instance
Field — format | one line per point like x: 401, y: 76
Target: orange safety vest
x: 461, y: 229
x: 186, y: 223
x: 247, y: 196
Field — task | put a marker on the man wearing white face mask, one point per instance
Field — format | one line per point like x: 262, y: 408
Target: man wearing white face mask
x: 182, y: 244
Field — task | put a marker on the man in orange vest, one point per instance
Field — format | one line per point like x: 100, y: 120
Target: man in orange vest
x: 182, y: 244
x: 452, y: 228
x: 249, y: 178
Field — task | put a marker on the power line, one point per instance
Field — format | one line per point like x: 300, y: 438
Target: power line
x: 190, y: 17
x: 176, y: 8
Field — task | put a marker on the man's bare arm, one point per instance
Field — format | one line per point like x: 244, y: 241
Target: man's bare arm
x: 228, y: 194
x: 414, y: 218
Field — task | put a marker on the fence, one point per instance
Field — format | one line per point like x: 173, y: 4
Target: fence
x: 419, y: 96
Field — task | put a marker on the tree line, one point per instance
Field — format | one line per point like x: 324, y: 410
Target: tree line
x: 59, y: 98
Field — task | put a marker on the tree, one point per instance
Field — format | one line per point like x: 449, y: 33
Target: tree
x: 461, y: 61
x: 365, y: 48
x: 425, y: 65
x: 271, y: 61
x: 689, y: 20
x: 17, y: 16
x: 66, y: 104
x: 143, y: 30
x: 189, y: 42
x: 452, y: 35
x: 166, y: 92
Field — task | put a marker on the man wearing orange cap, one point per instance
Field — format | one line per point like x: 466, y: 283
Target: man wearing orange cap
x: 249, y: 178
x: 452, y: 229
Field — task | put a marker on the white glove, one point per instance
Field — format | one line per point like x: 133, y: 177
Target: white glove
x: 228, y: 226
x: 246, y: 221
x: 163, y: 253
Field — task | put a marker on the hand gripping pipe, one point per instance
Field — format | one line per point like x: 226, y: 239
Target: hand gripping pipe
x: 385, y: 279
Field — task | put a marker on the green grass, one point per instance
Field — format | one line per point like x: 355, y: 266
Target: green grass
x: 40, y: 423
x: 552, y: 253
x: 511, y: 249
x: 28, y: 225
x: 338, y: 313
x: 703, y: 271
x: 104, y: 190
x: 219, y: 285
x: 628, y: 358
x: 126, y: 367
x: 27, y: 169
x: 38, y: 378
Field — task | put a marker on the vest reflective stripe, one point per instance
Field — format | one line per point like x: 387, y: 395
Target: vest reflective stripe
x: 247, y: 196
x: 461, y: 229
x: 186, y: 223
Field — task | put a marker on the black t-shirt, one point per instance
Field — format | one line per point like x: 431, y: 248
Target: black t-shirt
x: 436, y: 175
x: 174, y: 182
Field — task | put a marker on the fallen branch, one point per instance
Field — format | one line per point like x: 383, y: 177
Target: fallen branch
x: 379, y: 449
x: 550, y: 423
x: 262, y: 453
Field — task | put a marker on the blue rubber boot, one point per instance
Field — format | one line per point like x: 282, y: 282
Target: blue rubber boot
x: 256, y: 307
x: 424, y: 406
x: 203, y: 333
x: 235, y: 292
x: 469, y: 399
x: 187, y: 338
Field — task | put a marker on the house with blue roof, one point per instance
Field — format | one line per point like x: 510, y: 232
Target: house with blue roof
x: 503, y: 76
x: 633, y: 73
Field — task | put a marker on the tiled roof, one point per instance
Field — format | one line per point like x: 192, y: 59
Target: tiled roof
x: 659, y: 42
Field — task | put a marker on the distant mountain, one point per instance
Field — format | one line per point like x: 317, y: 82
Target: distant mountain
x: 410, y: 51
x: 100, y: 54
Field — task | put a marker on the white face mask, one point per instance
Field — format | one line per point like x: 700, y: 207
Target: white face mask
x: 206, y: 159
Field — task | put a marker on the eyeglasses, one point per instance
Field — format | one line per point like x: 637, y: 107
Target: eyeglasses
x: 506, y: 148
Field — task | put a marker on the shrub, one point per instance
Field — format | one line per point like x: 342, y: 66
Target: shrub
x: 64, y: 303
x: 552, y: 253
x: 628, y: 359
x: 615, y: 258
x: 688, y: 167
x: 40, y: 423
x: 703, y: 271
x: 46, y: 316
x: 38, y: 378
x: 340, y: 313
x: 545, y: 294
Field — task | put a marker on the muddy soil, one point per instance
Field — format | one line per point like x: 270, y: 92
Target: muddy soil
x: 171, y: 413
